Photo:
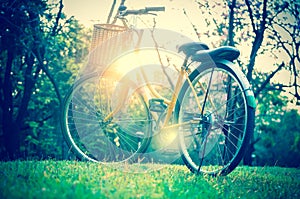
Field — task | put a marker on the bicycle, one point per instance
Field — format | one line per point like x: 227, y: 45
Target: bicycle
x: 211, y: 108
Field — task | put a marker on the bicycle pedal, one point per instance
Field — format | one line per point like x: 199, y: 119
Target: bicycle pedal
x: 157, y: 105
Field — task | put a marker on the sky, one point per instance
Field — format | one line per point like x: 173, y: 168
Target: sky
x: 89, y: 12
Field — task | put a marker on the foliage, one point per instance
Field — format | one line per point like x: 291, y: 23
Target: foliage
x: 64, y: 179
x: 277, y: 130
x: 279, y: 144
x: 65, y: 55
x: 40, y: 48
x: 21, y: 45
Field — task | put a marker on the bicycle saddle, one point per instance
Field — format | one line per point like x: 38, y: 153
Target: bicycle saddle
x: 190, y: 49
x: 225, y: 52
x: 200, y: 52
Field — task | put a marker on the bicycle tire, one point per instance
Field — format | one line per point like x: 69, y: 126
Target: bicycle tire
x: 215, y: 141
x: 91, y: 138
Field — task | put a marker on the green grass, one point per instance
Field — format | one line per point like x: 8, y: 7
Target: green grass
x: 71, y: 179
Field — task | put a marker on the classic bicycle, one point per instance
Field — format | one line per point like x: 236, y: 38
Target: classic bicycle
x: 112, y: 118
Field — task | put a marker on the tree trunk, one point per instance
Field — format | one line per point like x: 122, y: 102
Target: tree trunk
x: 9, y: 128
x: 11, y: 133
x: 231, y: 23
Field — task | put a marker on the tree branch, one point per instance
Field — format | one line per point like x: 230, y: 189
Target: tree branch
x: 284, y: 6
x: 58, y: 17
x: 47, y: 72
x: 264, y: 16
x: 29, y: 85
x: 267, y: 81
x: 251, y: 16
x: 283, y: 88
x: 193, y: 25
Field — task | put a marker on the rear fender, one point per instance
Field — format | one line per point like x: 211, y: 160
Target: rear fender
x: 243, y: 79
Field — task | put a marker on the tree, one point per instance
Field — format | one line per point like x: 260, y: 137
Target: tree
x: 66, y: 53
x: 264, y: 15
x: 285, y: 34
x: 20, y: 28
x: 256, y: 25
x: 37, y: 42
x: 280, y: 142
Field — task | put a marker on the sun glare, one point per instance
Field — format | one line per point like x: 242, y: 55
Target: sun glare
x: 154, y: 62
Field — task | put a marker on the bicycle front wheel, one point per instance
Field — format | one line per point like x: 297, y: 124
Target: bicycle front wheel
x: 217, y: 122
x: 102, y: 125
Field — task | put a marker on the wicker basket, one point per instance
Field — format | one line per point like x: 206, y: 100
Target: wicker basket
x: 108, y: 42
x: 103, y: 32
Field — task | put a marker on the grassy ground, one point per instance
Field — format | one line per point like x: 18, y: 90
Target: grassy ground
x: 70, y: 179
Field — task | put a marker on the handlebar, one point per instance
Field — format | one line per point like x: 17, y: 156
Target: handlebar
x: 147, y: 10
x: 155, y: 9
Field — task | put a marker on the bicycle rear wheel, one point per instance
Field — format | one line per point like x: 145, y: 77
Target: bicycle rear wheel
x: 216, y: 133
x: 92, y: 135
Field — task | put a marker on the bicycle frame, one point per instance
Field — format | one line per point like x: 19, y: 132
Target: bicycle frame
x: 183, y: 74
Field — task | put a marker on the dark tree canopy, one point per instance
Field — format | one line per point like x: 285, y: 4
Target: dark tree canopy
x: 36, y: 41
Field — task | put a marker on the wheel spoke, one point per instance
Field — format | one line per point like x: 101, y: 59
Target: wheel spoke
x: 222, y: 124
x: 92, y: 138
